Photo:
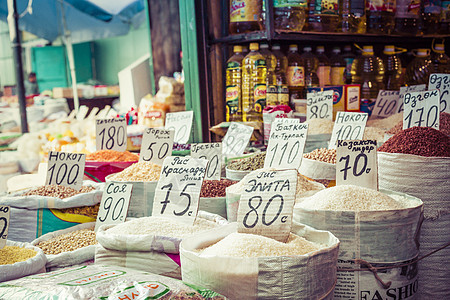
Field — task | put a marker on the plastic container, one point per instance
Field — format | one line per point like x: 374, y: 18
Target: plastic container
x: 295, y: 74
x: 353, y: 17
x: 245, y: 16
x: 271, y: 79
x: 311, y: 64
x: 440, y: 60
x: 338, y: 66
x: 97, y: 171
x: 233, y: 97
x: 431, y: 16
x: 324, y: 69
x: 408, y: 17
x: 348, y: 56
x: 445, y: 18
x: 380, y: 16
x: 289, y: 15
x: 419, y: 69
x: 323, y: 15
x: 280, y: 75
x: 392, y: 68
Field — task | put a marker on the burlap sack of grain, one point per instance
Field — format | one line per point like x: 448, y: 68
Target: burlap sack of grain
x: 33, y: 265
x: 151, y: 253
x: 426, y: 178
x: 309, y: 276
x: 69, y: 258
x: 33, y: 216
x: 319, y: 171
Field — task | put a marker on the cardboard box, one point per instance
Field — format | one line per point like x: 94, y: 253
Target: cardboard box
x: 65, y: 92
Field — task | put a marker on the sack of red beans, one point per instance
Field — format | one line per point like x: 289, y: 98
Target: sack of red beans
x: 212, y: 196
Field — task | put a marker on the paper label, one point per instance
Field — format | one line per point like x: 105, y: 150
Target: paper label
x: 157, y: 144
x: 353, y: 98
x: 114, y: 205
x: 212, y: 152
x: 286, y: 144
x: 404, y: 90
x: 66, y: 169
x: 181, y: 123
x: 266, y: 205
x: 320, y: 105
x: 441, y: 82
x: 244, y: 11
x: 295, y: 76
x: 141, y: 290
x: 386, y: 104
x: 348, y: 126
x: 4, y: 224
x: 178, y: 189
x: 356, y: 163
x: 236, y: 139
x: 421, y: 109
x: 111, y: 134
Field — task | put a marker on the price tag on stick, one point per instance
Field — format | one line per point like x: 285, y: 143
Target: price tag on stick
x: 4, y: 224
x: 286, y: 145
x: 404, y: 90
x: 114, y: 205
x: 66, y: 169
x: 348, y: 126
x: 156, y: 145
x: 441, y: 82
x: 181, y: 123
x: 386, y: 104
x: 266, y: 205
x: 111, y: 134
x: 236, y: 139
x: 356, y: 163
x: 421, y: 109
x: 178, y: 189
x: 319, y: 105
x: 211, y: 152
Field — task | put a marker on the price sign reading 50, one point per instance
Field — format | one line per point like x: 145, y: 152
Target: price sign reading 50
x: 4, y: 224
x: 156, y: 145
x: 66, y: 169
x: 114, y: 205
x: 111, y: 134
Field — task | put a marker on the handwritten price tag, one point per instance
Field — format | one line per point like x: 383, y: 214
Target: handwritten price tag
x: 181, y: 123
x: 319, y: 105
x: 266, y: 205
x: 4, y: 224
x: 114, y: 205
x: 286, y: 144
x: 348, y: 126
x: 386, y: 104
x: 212, y: 152
x: 111, y: 134
x: 236, y: 139
x: 421, y: 109
x: 406, y: 89
x: 178, y: 189
x: 441, y: 82
x: 356, y: 163
x: 156, y: 145
x: 66, y: 169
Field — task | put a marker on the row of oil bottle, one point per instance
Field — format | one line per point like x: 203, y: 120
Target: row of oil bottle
x: 269, y: 77
x: 405, y: 17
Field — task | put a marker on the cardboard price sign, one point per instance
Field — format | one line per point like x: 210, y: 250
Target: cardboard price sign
x: 286, y: 144
x: 356, y: 163
x: 406, y: 89
x: 181, y: 123
x: 212, y: 152
x: 441, y: 82
x: 266, y: 205
x: 156, y: 145
x: 348, y: 126
x: 319, y: 105
x: 114, y: 205
x: 66, y: 169
x: 111, y: 134
x: 386, y: 103
x: 236, y: 139
x: 178, y: 189
x: 421, y: 109
x: 4, y: 224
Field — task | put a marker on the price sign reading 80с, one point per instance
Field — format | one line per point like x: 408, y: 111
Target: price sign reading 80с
x: 320, y: 105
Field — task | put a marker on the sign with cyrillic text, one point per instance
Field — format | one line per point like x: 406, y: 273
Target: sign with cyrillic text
x: 178, y: 189
x: 266, y: 204
x: 386, y: 104
x: 356, y: 163
x: 406, y: 89
x: 319, y: 105
x: 212, y: 152
x: 441, y: 82
x: 156, y: 145
x: 236, y: 139
x: 348, y: 126
x: 111, y: 134
x: 181, y: 123
x: 114, y: 204
x: 4, y: 224
x: 66, y: 169
x: 421, y: 109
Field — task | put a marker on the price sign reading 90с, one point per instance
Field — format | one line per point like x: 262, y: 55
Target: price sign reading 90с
x: 320, y: 105
x: 421, y: 109
x: 348, y: 126
x: 181, y: 123
x: 4, y: 224
x: 406, y: 89
x: 286, y: 145
x: 386, y: 103
x: 156, y: 145
x: 356, y: 163
x: 266, y: 205
x: 441, y: 82
x: 236, y: 139
x: 178, y: 189
x: 114, y: 205
x: 111, y: 134
x: 211, y: 152
x: 66, y: 169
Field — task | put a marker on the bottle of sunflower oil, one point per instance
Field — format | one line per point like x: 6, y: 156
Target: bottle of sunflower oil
x: 233, y: 99
x: 271, y: 80
x: 254, y: 71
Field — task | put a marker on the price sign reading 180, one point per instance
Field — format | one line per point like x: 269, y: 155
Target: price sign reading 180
x: 4, y: 224
x: 114, y: 205
x: 156, y: 145
x: 111, y: 134
x: 65, y: 169
x: 348, y: 126
x: 320, y: 105
x: 421, y: 109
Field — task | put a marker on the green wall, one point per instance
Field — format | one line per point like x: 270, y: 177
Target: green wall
x: 113, y: 54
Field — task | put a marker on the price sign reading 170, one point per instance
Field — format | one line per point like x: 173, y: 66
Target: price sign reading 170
x: 421, y: 109
x: 111, y: 134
